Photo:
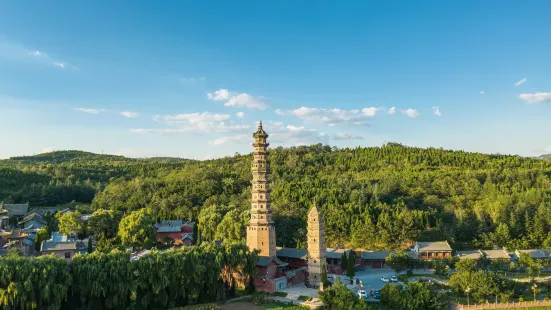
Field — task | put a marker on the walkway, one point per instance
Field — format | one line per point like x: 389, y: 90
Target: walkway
x: 509, y: 305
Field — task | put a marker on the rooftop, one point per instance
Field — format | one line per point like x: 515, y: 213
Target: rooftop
x: 292, y: 253
x: 470, y: 254
x: 16, y: 209
x: 434, y: 246
x: 58, y: 246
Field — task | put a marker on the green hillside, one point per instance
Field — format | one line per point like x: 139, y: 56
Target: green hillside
x: 376, y: 197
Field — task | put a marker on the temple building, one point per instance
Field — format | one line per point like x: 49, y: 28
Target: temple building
x: 277, y: 267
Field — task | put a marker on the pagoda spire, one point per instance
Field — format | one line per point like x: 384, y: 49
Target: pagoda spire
x: 261, y: 230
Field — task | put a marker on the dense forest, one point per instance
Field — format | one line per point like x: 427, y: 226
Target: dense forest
x: 376, y: 197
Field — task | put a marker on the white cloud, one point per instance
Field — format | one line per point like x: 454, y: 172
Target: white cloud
x: 240, y: 114
x: 247, y: 101
x: 291, y: 135
x: 392, y: 111
x: 411, y: 113
x: 436, y: 111
x: 346, y: 136
x: 194, y: 123
x: 227, y: 139
x: 482, y: 92
x: 547, y: 150
x: 536, y: 98
x: 520, y: 82
x: 89, y: 111
x: 279, y: 112
x: 59, y: 65
x: 222, y: 94
x: 369, y: 111
x: 130, y: 114
x: 333, y: 117
x: 48, y: 149
x: 238, y: 100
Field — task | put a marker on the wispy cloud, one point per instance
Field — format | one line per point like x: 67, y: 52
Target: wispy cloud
x: 194, y: 123
x: 226, y: 139
x: 89, y: 111
x: 130, y: 114
x: 482, y: 92
x: 46, y: 58
x: 291, y: 135
x: 346, y: 136
x: 392, y: 111
x: 536, y: 98
x: 238, y: 100
x: 240, y: 114
x: 333, y: 117
x: 436, y: 111
x: 411, y: 113
x: 520, y: 82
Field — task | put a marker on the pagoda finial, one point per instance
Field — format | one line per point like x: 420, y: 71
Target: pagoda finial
x: 260, y: 125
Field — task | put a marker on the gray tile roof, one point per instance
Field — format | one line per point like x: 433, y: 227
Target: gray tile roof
x: 33, y: 216
x: 375, y: 255
x: 470, y: 254
x: 58, y: 246
x: 292, y: 253
x: 264, y: 261
x: 172, y: 225
x: 16, y: 209
x: 434, y: 246
x: 495, y: 254
x: 537, y: 253
x: 335, y: 253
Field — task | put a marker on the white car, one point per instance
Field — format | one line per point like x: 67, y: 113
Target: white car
x: 385, y: 279
x: 393, y: 279
x: 362, y: 294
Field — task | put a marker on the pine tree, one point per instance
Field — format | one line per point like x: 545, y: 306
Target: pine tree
x: 89, y: 245
x: 344, y: 262
x: 324, y: 280
x: 350, y: 272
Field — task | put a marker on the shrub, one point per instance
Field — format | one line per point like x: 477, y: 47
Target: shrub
x: 280, y: 294
x: 304, y: 298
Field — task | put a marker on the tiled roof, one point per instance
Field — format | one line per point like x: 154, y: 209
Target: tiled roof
x: 33, y: 216
x: 16, y: 209
x: 172, y: 225
x: 375, y: 255
x: 494, y: 254
x: 335, y: 253
x: 537, y: 253
x: 434, y: 246
x: 381, y: 255
x: 292, y: 253
x: 470, y: 254
x: 58, y: 246
x: 264, y: 261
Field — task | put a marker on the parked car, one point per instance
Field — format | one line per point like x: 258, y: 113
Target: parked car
x: 393, y: 279
x: 376, y: 294
x: 385, y: 279
x: 362, y: 294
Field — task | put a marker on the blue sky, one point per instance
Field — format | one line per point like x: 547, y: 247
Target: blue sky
x: 191, y: 78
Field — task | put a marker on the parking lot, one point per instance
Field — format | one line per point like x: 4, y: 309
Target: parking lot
x: 370, y: 279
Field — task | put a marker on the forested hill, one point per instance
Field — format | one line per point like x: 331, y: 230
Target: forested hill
x: 371, y: 197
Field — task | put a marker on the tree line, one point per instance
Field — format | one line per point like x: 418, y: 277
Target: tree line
x: 371, y: 198
x: 158, y: 280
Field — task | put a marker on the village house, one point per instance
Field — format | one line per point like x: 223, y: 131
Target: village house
x: 60, y: 245
x: 33, y: 220
x: 180, y: 232
x: 493, y: 255
x: 537, y: 254
x: 433, y: 250
x: 16, y: 238
x: 17, y: 210
x: 377, y: 259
